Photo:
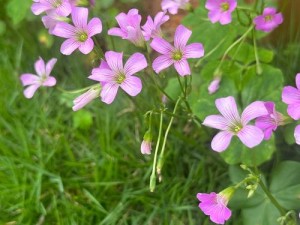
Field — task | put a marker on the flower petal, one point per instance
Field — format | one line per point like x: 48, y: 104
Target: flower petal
x: 28, y: 79
x: 117, y: 32
x: 87, y: 46
x: 194, y: 50
x: 214, y: 16
x: 290, y: 95
x: 135, y: 63
x: 221, y: 141
x: 50, y: 81
x: 94, y: 27
x: 225, y: 18
x: 30, y: 90
x: 69, y: 46
x: 216, y: 121
x: 182, y: 67
x: 50, y: 65
x: 203, y: 197
x: 252, y: 111
x: 80, y: 16
x: 40, y: 67
x: 161, y: 62
x: 102, y: 75
x: 64, y: 30
x: 227, y: 107
x: 298, y: 80
x: 114, y: 60
x: 132, y: 85
x: 162, y: 46
x: 182, y: 35
x: 294, y: 111
x: 297, y: 134
x: 38, y: 8
x: 251, y: 136
x: 65, y: 8
x: 109, y: 92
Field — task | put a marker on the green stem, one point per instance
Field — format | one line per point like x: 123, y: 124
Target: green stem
x: 153, y: 175
x: 160, y: 160
x: 77, y: 91
x: 258, y: 66
x: 272, y: 199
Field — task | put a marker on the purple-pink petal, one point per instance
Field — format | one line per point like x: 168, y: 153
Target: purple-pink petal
x: 225, y: 18
x: 214, y: 16
x: 80, y: 17
x: 39, y: 66
x: 115, y: 31
x: 162, y: 46
x: 194, y: 50
x: 49, y: 82
x: 69, y: 46
x: 87, y: 46
x: 132, y: 85
x: 216, y: 121
x: 30, y: 90
x: 135, y: 63
x: 221, y: 141
x: 297, y: 134
x: 227, y: 107
x: 109, y: 92
x: 85, y: 98
x: 290, y: 95
x: 102, y: 75
x: 161, y: 62
x: 65, y: 8
x: 253, y: 111
x: 50, y: 65
x: 182, y: 67
x: 94, y: 27
x: 114, y: 60
x: 29, y: 79
x: 38, y: 8
x: 294, y: 110
x: 182, y: 35
x: 251, y: 136
x: 298, y: 81
x: 64, y: 30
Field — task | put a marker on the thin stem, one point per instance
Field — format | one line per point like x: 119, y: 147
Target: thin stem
x: 153, y: 175
x: 258, y: 66
x: 272, y: 199
x: 78, y: 90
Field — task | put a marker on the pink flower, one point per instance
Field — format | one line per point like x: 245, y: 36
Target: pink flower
x: 215, y: 206
x: 52, y: 19
x: 114, y: 75
x: 220, y: 10
x: 130, y: 27
x: 291, y: 96
x: 178, y: 54
x: 269, y: 20
x: 214, y: 85
x: 297, y: 134
x: 151, y: 29
x: 61, y: 7
x: 270, y: 122
x: 42, y: 78
x: 146, y: 147
x: 86, y: 98
x: 173, y: 5
x: 230, y: 123
x: 78, y: 36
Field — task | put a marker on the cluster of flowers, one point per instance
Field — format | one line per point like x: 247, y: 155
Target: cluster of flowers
x: 112, y: 74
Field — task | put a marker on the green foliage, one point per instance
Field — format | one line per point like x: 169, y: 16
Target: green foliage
x: 284, y: 186
x: 82, y: 119
x: 17, y: 10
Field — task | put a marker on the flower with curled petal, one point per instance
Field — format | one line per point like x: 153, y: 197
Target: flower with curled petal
x: 269, y: 20
x: 232, y: 124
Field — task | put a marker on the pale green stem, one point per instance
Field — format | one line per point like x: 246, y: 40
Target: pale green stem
x: 78, y: 90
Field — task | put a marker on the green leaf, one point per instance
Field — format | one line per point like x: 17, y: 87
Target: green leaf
x: 82, y: 119
x: 237, y: 152
x: 17, y: 10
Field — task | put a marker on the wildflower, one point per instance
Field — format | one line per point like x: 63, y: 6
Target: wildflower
x: 151, y: 29
x: 220, y: 10
x: 215, y: 205
x: 115, y: 75
x: 61, y: 7
x: 52, y: 19
x: 297, y: 135
x: 146, y: 143
x: 130, y: 27
x: 42, y: 78
x: 78, y: 36
x: 269, y: 20
x: 230, y: 123
x: 177, y: 55
x: 270, y: 122
x: 291, y: 96
x: 214, y: 85
x: 86, y: 98
x: 173, y: 5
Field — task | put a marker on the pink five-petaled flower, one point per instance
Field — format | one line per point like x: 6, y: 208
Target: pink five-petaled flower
x: 178, y: 54
x: 297, y: 135
x: 42, y: 78
x: 151, y: 29
x: 61, y: 7
x: 130, y: 27
x: 230, y: 123
x: 78, y: 36
x: 270, y: 122
x: 269, y: 20
x: 173, y: 5
x: 220, y: 10
x: 215, y: 206
x: 113, y: 75
x: 86, y: 97
x: 291, y: 96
